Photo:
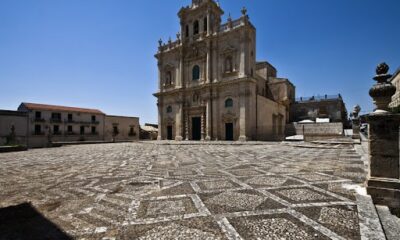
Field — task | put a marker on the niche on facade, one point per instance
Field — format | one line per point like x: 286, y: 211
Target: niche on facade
x: 195, y: 99
x: 229, y: 60
x: 169, y: 75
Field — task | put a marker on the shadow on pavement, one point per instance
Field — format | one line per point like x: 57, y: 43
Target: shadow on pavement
x: 23, y: 221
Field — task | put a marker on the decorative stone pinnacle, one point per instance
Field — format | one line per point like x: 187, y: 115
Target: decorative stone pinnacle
x: 229, y: 18
x: 383, y: 90
x: 382, y: 68
x: 160, y: 42
x: 244, y: 11
x: 178, y: 36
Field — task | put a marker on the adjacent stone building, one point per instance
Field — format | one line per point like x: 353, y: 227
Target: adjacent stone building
x: 327, y: 106
x: 395, y: 80
x: 13, y: 128
x: 38, y: 125
x: 62, y: 124
x: 121, y: 128
x: 210, y: 85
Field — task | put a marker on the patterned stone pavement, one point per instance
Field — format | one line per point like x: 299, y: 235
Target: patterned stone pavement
x: 201, y: 191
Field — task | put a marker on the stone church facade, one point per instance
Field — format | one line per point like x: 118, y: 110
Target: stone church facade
x: 210, y: 85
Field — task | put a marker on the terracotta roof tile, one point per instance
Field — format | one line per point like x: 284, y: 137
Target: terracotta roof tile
x: 37, y: 106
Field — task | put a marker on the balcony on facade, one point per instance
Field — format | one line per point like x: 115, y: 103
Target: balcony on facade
x: 39, y: 120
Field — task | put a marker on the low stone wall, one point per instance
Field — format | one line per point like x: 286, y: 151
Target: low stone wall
x: 315, y: 130
x: 4, y: 149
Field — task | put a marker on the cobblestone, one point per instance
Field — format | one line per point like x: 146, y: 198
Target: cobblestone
x: 189, y: 191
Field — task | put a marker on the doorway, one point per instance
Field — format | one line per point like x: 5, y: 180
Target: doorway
x: 169, y: 132
x: 196, y: 128
x: 229, y: 131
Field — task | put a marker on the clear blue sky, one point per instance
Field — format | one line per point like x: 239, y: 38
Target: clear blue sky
x: 100, y: 53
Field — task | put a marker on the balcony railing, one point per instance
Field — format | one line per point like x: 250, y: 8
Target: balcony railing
x: 36, y: 133
x: 81, y: 122
x: 55, y: 120
x: 39, y: 120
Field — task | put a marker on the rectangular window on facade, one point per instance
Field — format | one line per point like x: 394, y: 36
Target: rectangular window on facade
x: 56, y: 117
x: 38, y: 115
x: 93, y: 130
x: 115, y: 130
x: 56, y: 129
x: 38, y: 129
x: 132, y: 131
x: 69, y: 117
x: 69, y: 129
x: 93, y: 118
x: 82, y: 130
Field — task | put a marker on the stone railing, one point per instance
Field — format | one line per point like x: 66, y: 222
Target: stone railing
x: 232, y: 24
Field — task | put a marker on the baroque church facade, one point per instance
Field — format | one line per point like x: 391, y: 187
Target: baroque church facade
x: 210, y: 85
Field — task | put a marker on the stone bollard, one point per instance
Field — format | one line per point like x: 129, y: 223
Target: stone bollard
x: 383, y: 183
x: 355, y: 120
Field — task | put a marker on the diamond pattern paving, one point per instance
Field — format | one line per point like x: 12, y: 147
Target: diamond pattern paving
x: 154, y: 190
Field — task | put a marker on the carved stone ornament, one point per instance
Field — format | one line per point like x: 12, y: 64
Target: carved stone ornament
x: 383, y: 90
x: 229, y: 117
x: 356, y: 111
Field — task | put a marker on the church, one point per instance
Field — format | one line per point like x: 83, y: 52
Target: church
x: 211, y: 87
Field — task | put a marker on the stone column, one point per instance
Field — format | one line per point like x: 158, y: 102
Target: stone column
x: 383, y: 182
x: 242, y: 114
x: 208, y: 67
x: 208, y: 119
x: 178, y: 123
x: 186, y: 126
x: 203, y: 125
x: 160, y: 125
x: 208, y: 23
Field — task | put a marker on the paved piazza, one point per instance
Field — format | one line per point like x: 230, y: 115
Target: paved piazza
x: 189, y: 191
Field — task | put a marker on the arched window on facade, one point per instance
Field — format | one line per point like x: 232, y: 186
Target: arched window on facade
x: 168, y: 78
x: 228, y: 103
x: 187, y: 31
x: 169, y: 109
x: 205, y: 24
x: 196, y: 73
x: 228, y: 64
x: 196, y: 27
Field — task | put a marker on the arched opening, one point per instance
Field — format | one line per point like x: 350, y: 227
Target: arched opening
x: 196, y: 73
x: 187, y: 31
x: 169, y: 109
x: 228, y: 103
x: 205, y: 24
x: 196, y: 27
x: 168, y: 78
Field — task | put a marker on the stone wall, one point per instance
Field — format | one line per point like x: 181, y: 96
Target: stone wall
x: 315, y: 129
